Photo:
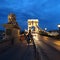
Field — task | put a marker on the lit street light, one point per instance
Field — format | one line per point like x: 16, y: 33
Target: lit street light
x: 45, y: 29
x: 59, y: 26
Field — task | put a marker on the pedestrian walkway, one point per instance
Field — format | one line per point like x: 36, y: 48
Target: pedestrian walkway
x: 21, y: 51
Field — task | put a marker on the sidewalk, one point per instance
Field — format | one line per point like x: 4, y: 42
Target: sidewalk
x: 19, y: 52
x: 53, y: 43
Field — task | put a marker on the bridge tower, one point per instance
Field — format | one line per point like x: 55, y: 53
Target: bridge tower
x: 33, y: 25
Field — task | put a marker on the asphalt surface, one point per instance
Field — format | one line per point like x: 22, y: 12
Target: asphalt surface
x: 19, y: 52
x: 46, y: 51
x: 37, y: 51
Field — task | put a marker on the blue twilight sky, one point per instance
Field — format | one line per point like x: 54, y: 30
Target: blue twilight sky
x: 47, y: 11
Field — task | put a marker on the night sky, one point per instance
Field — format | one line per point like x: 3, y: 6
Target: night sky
x: 47, y: 11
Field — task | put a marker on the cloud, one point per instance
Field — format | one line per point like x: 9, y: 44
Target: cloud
x: 47, y: 11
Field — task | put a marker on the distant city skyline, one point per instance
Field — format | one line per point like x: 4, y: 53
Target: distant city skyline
x: 46, y: 11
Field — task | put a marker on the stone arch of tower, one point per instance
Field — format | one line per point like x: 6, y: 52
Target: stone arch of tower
x: 32, y: 25
x: 33, y: 28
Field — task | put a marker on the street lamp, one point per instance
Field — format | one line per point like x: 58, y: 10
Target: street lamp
x: 59, y: 27
x: 45, y: 29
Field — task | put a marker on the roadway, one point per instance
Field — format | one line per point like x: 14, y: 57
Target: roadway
x: 46, y: 51
x: 39, y: 51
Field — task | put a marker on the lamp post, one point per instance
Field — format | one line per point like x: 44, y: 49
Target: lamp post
x: 45, y: 29
x: 59, y: 29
